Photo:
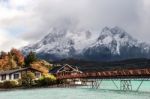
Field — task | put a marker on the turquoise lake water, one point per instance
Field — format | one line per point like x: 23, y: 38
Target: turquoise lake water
x: 106, y: 91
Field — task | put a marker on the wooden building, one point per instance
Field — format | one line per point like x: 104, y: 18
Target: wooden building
x: 69, y: 70
x: 17, y: 73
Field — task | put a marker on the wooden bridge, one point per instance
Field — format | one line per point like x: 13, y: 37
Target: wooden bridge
x: 125, y: 76
x: 114, y: 74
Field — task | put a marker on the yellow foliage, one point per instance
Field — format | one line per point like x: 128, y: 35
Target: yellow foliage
x: 41, y: 66
x: 49, y: 76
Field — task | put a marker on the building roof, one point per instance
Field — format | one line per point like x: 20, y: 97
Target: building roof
x: 16, y: 70
x: 55, y: 69
x: 60, y: 68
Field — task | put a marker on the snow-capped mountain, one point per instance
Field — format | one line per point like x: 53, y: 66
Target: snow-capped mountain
x: 60, y: 43
x: 111, y: 44
x: 116, y: 44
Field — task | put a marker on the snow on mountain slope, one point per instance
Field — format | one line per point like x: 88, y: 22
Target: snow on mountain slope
x: 111, y: 44
x: 114, y: 44
x: 62, y: 43
x: 114, y: 38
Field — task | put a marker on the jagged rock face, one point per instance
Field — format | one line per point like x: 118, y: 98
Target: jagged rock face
x: 60, y: 44
x: 54, y: 45
x: 116, y: 44
x: 111, y: 44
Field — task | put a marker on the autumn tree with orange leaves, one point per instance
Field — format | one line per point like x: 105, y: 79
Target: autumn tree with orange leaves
x: 17, y: 56
x: 11, y: 60
x: 15, y: 59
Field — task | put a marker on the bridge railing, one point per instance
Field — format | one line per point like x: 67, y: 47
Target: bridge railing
x: 108, y: 74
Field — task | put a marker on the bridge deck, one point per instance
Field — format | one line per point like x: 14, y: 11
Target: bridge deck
x: 115, y: 74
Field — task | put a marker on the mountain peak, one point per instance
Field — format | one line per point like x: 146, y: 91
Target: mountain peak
x: 114, y: 32
x: 117, y: 30
x: 112, y: 43
x: 105, y: 29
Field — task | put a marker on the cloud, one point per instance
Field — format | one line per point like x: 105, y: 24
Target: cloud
x: 7, y: 42
x: 33, y: 19
x: 81, y: 14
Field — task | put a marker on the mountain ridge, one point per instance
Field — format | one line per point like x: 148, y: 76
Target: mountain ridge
x: 111, y: 44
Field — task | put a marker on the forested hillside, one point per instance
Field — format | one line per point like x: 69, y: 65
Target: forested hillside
x: 109, y: 65
x: 15, y: 59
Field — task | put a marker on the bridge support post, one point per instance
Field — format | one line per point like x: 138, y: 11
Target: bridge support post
x: 125, y: 85
x: 115, y: 84
x: 96, y: 83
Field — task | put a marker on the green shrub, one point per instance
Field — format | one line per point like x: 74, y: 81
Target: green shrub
x: 27, y: 79
x: 19, y: 82
x: 50, y: 76
x: 46, y: 81
x: 9, y: 84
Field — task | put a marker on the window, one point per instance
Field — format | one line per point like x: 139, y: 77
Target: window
x: 16, y: 76
x: 37, y: 75
x: 3, y: 77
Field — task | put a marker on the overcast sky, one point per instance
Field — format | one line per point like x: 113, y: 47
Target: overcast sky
x: 26, y: 21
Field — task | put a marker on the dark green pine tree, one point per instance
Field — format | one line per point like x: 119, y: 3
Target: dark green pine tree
x: 30, y: 58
